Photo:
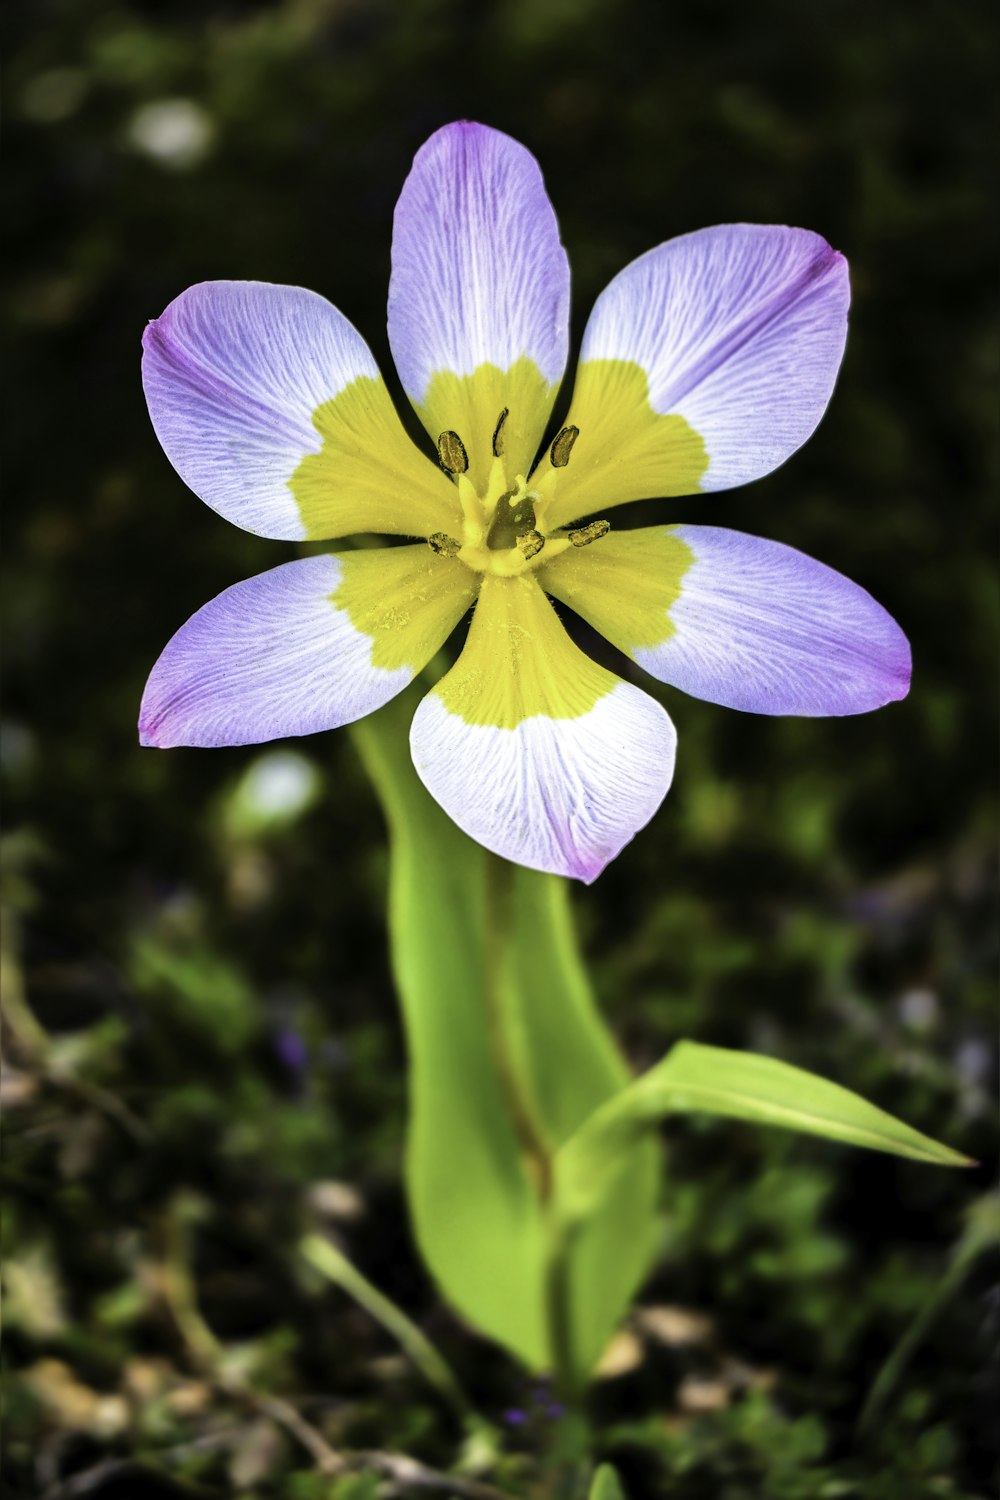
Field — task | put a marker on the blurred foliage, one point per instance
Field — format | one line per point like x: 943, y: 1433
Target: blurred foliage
x: 203, y: 1053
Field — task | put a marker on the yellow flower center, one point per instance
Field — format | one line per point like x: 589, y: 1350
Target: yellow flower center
x: 503, y: 528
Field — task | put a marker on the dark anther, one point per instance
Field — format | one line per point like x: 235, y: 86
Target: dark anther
x: 530, y: 543
x: 498, y: 433
x: 451, y: 452
x: 443, y: 544
x: 587, y: 534
x: 562, y: 447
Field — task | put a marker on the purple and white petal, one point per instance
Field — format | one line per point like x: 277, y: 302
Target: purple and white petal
x: 749, y: 623
x: 235, y: 373
x: 560, y: 795
x: 294, y: 651
x: 740, y: 330
x: 533, y: 749
x: 479, y: 276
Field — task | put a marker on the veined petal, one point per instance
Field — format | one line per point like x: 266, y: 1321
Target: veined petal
x: 532, y: 748
x: 307, y: 646
x: 704, y: 364
x: 479, y: 295
x: 270, y: 406
x: 737, y: 620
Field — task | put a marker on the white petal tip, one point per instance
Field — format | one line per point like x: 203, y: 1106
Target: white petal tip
x: 563, y: 796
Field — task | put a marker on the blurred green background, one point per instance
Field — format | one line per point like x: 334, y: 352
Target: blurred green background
x: 203, y: 1051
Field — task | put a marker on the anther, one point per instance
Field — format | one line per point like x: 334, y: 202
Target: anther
x: 498, y: 433
x: 443, y: 544
x: 452, y: 454
x: 562, y: 447
x: 588, y: 534
x: 530, y: 544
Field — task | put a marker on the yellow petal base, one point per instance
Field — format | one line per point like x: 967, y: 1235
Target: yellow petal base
x: 406, y: 599
x: 471, y: 406
x: 625, y: 450
x: 625, y: 584
x: 369, y: 476
x: 518, y: 661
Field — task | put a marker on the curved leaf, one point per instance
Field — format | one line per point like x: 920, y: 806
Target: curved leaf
x: 743, y: 1085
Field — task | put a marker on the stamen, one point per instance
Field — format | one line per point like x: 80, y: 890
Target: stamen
x: 530, y: 543
x: 498, y: 432
x: 562, y: 447
x: 587, y: 534
x: 443, y: 544
x: 452, y: 454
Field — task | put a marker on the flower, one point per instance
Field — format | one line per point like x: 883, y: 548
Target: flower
x: 705, y: 364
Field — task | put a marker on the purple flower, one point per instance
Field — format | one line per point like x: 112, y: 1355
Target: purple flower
x: 291, y: 1048
x: 704, y: 364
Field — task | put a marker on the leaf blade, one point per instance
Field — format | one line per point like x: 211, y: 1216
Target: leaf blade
x: 747, y: 1085
x: 740, y: 1085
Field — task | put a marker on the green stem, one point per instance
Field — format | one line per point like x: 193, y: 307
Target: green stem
x: 557, y: 1313
x: 502, y: 1021
x: 503, y: 1025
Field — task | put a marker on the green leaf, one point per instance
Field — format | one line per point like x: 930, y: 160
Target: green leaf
x: 739, y: 1084
x: 478, y: 1215
x: 606, y: 1485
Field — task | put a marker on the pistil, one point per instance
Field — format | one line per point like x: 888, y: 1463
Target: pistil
x: 514, y: 516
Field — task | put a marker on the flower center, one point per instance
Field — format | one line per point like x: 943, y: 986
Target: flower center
x: 503, y: 531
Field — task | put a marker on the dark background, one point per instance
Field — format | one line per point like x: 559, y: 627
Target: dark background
x: 204, y: 1055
